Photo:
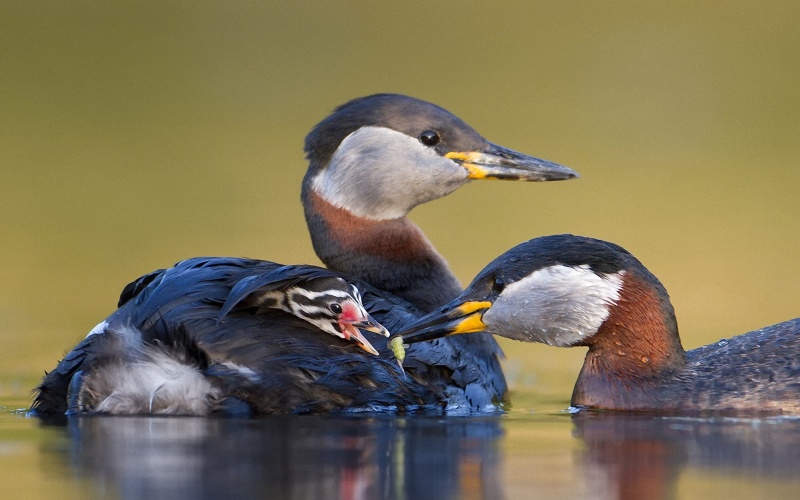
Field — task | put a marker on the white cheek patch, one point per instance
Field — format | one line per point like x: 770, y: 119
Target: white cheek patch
x: 378, y: 173
x: 557, y: 305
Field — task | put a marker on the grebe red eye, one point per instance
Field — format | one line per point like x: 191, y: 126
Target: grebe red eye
x: 336, y: 308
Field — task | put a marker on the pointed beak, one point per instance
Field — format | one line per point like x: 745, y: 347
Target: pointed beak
x: 369, y: 324
x: 351, y: 332
x: 452, y: 319
x: 497, y: 162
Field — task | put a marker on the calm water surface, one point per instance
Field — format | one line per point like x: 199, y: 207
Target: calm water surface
x: 137, y: 134
x: 524, y: 453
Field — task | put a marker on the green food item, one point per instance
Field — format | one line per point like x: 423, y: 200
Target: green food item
x: 399, y: 350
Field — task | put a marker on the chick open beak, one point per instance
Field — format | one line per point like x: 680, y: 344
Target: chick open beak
x: 497, y: 162
x: 351, y: 332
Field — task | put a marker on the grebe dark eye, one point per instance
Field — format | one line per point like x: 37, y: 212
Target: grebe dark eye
x: 498, y: 284
x: 429, y: 138
x: 336, y: 308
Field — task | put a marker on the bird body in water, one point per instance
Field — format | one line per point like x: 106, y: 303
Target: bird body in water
x: 370, y: 162
x: 137, y: 361
x: 169, y: 347
x: 571, y: 291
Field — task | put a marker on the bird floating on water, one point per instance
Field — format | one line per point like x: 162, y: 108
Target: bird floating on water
x: 370, y: 162
x: 118, y: 369
x: 569, y: 291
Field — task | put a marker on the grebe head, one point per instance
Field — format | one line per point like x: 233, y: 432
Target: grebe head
x: 328, y: 302
x: 380, y: 156
x: 559, y: 290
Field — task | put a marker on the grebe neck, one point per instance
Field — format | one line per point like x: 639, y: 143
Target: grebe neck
x: 636, y: 348
x: 390, y: 254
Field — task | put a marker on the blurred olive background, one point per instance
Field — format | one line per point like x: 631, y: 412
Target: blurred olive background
x: 135, y: 135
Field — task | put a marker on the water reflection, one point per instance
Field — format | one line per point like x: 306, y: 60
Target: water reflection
x: 289, y: 457
x: 520, y: 455
x: 643, y: 456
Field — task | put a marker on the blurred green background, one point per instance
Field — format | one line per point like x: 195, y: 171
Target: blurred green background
x: 133, y: 135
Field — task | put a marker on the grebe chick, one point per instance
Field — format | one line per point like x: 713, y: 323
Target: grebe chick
x: 327, y: 302
x: 124, y: 370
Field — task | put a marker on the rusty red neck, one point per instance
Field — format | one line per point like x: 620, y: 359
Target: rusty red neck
x: 636, y: 350
x: 393, y: 255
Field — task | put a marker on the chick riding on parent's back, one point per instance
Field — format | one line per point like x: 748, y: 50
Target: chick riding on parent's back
x: 370, y: 162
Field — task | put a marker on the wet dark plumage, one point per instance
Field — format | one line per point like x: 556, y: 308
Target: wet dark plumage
x: 295, y: 367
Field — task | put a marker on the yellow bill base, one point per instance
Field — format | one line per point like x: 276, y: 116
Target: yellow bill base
x: 471, y: 324
x: 472, y: 306
x: 468, y: 160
